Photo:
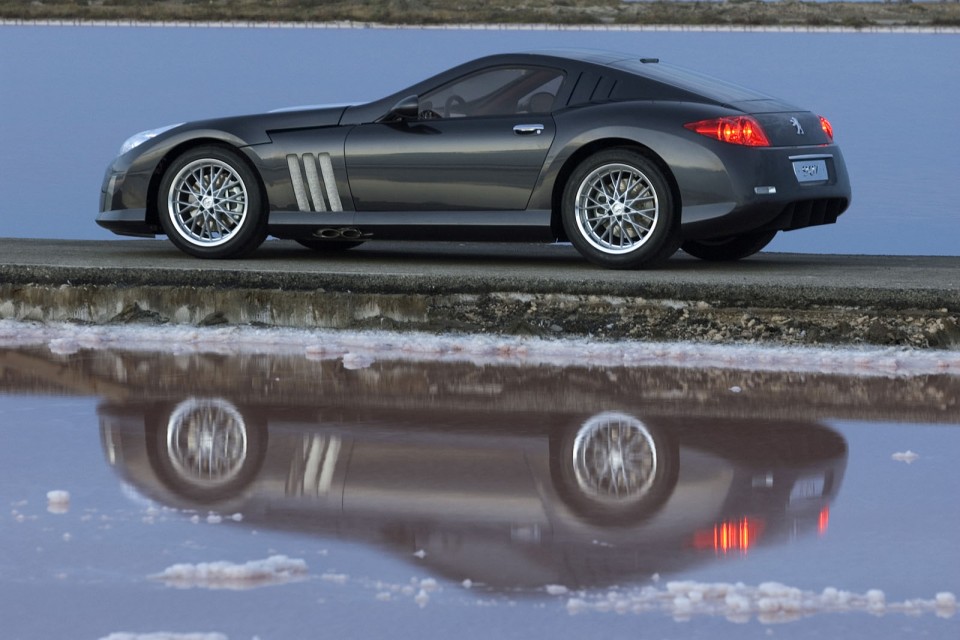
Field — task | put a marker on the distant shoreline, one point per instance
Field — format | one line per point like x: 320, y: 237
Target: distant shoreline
x: 346, y: 25
x: 726, y: 15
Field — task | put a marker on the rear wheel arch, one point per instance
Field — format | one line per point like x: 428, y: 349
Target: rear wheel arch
x: 584, y: 152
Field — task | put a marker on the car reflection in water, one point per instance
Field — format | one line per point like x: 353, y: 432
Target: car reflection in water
x: 509, y: 500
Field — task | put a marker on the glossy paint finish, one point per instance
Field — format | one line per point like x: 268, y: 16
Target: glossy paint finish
x: 396, y: 178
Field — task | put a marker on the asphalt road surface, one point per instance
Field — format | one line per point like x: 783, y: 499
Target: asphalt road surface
x: 505, y: 288
x: 896, y: 280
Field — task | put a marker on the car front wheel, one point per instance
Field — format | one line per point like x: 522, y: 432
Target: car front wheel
x: 618, y: 211
x: 210, y: 204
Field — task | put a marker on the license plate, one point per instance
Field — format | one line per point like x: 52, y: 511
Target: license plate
x: 807, y: 488
x: 810, y: 170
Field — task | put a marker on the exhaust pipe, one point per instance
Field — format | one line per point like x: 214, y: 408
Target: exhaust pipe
x: 347, y: 233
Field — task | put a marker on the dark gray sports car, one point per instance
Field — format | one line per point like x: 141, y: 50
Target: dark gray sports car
x: 627, y: 158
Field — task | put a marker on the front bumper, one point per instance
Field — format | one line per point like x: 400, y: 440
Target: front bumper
x: 123, y: 200
x: 128, y: 222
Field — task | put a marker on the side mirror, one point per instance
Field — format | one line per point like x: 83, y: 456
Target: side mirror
x: 407, y: 109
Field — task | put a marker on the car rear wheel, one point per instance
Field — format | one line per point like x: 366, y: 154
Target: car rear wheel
x: 618, y: 211
x: 614, y: 468
x: 730, y: 248
x: 210, y: 204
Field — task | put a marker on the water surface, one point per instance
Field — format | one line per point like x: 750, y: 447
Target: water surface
x: 419, y: 498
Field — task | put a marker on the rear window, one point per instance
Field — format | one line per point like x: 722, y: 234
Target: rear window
x: 702, y: 84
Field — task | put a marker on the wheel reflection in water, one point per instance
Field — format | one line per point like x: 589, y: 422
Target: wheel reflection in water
x: 614, y: 459
x: 206, y: 442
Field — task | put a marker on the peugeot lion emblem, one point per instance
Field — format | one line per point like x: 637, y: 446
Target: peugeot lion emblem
x: 796, y: 123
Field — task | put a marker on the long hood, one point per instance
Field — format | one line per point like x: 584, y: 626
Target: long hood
x: 256, y: 129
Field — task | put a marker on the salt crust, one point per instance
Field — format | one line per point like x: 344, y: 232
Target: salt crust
x: 360, y: 349
x: 769, y: 602
x: 276, y: 569
x: 163, y: 635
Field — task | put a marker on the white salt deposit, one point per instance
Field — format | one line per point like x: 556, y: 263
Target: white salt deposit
x: 906, y: 456
x: 163, y: 635
x: 58, y: 496
x: 770, y: 602
x: 276, y: 569
x: 58, y: 501
x: 337, y: 578
x: 422, y: 598
x: 359, y: 349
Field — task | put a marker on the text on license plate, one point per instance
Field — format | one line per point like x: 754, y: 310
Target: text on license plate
x: 810, y: 170
x: 807, y: 488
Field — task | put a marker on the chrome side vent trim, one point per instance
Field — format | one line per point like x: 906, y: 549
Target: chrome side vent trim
x: 313, y: 180
x: 296, y: 177
x: 326, y: 168
x: 320, y: 180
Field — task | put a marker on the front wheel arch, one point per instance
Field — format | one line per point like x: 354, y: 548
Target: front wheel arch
x: 584, y: 152
x: 153, y: 189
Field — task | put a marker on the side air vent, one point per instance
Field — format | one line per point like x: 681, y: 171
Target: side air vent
x: 320, y: 186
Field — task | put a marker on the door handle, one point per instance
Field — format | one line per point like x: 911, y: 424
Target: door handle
x: 528, y: 129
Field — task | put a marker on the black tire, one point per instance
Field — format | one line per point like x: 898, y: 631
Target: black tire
x: 211, y: 204
x: 319, y: 244
x: 637, y: 228
x: 238, y: 448
x: 650, y: 460
x: 730, y: 248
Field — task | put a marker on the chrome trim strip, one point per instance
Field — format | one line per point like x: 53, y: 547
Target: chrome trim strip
x: 528, y: 129
x: 296, y: 178
x: 813, y: 156
x: 313, y: 181
x: 330, y: 180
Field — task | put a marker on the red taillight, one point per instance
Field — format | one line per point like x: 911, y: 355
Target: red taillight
x: 742, y: 130
x: 732, y: 535
x: 827, y: 128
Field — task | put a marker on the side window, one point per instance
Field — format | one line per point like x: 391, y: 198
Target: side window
x: 494, y: 92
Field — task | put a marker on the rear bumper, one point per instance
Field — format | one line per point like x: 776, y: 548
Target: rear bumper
x: 765, y: 193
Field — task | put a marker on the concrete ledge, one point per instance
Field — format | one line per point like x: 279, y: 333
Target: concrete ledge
x: 507, y: 289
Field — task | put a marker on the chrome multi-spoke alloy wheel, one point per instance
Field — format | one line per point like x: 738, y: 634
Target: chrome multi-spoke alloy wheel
x: 207, y: 202
x: 617, y: 208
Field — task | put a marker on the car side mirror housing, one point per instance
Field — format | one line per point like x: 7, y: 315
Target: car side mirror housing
x: 406, y: 109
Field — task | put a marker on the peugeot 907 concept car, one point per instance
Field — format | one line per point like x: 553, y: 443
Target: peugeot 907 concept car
x: 626, y: 158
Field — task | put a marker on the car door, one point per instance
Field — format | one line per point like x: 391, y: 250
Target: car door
x: 478, y: 144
